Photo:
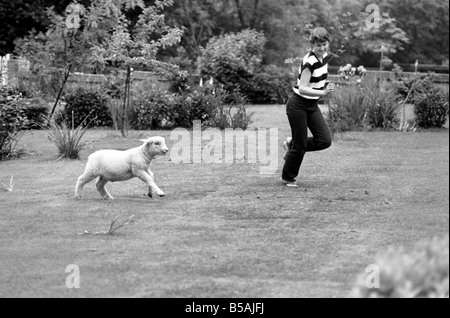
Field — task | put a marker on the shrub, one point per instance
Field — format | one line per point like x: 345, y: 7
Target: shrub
x: 415, y: 86
x: 13, y: 121
x: 86, y: 102
x: 431, y: 109
x: 269, y: 85
x: 196, y: 105
x: 430, y: 103
x: 232, y: 69
x: 154, y: 108
x: 36, y: 111
x: 419, y: 273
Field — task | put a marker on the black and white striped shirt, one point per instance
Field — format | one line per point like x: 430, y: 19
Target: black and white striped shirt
x: 319, y: 73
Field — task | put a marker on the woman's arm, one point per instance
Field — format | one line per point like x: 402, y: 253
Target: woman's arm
x: 305, y: 90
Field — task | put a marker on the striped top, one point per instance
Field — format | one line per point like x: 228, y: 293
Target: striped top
x: 319, y: 73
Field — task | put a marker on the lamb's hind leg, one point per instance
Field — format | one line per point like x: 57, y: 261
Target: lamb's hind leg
x: 82, y: 180
x: 100, y: 184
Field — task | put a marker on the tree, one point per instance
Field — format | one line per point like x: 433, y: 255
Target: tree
x: 19, y: 17
x: 197, y: 20
x: 136, y: 33
x: 61, y: 50
x: 385, y: 39
x: 353, y: 41
x: 426, y: 23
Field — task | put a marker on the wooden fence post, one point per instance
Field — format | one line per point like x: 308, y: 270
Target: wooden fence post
x: 4, y: 69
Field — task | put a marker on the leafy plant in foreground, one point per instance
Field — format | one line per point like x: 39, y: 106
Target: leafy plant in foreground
x: 67, y: 140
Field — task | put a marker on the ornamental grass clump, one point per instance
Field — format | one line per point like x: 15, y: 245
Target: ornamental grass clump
x: 381, y: 105
x: 422, y: 272
x: 67, y: 139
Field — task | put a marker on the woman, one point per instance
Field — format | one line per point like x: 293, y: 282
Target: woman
x: 302, y: 108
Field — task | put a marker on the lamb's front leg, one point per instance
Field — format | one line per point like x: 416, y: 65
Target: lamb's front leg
x: 150, y: 190
x: 147, y: 177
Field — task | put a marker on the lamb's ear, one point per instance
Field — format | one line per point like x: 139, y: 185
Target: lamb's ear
x: 147, y: 141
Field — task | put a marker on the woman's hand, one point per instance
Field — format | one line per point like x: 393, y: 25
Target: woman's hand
x: 329, y: 89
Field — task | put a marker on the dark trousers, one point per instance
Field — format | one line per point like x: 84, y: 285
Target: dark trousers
x: 303, y: 114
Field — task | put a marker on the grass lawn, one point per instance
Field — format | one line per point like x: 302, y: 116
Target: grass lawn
x: 223, y: 230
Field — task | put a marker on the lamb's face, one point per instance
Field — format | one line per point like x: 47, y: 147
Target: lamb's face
x: 156, y: 146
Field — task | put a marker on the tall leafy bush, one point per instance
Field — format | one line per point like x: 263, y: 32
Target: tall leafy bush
x: 269, y: 85
x: 431, y: 109
x: 85, y: 102
x: 232, y: 58
x: 13, y: 121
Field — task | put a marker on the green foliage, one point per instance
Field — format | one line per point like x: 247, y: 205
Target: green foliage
x: 380, y: 103
x: 155, y: 108
x: 426, y: 24
x: 423, y: 23
x: 347, y: 111
x: 229, y: 110
x: 36, y: 111
x: 116, y: 110
x: 61, y: 50
x: 362, y: 103
x: 430, y: 103
x: 13, y: 121
x: 18, y: 18
x: 67, y: 139
x: 196, y: 105
x: 242, y: 70
x: 269, y: 85
x: 241, y: 119
x: 431, y: 109
x: 86, y: 102
x: 412, y: 87
x: 43, y: 82
x: 387, y: 37
x: 230, y: 70
x: 422, y: 272
x: 133, y: 41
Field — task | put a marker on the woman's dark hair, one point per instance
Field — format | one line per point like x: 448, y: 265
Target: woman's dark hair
x: 319, y: 35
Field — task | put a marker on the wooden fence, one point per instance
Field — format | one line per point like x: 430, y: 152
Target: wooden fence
x: 96, y: 81
x: 390, y: 76
x: 12, y: 69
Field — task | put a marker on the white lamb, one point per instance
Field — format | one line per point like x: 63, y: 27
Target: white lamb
x: 116, y: 165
